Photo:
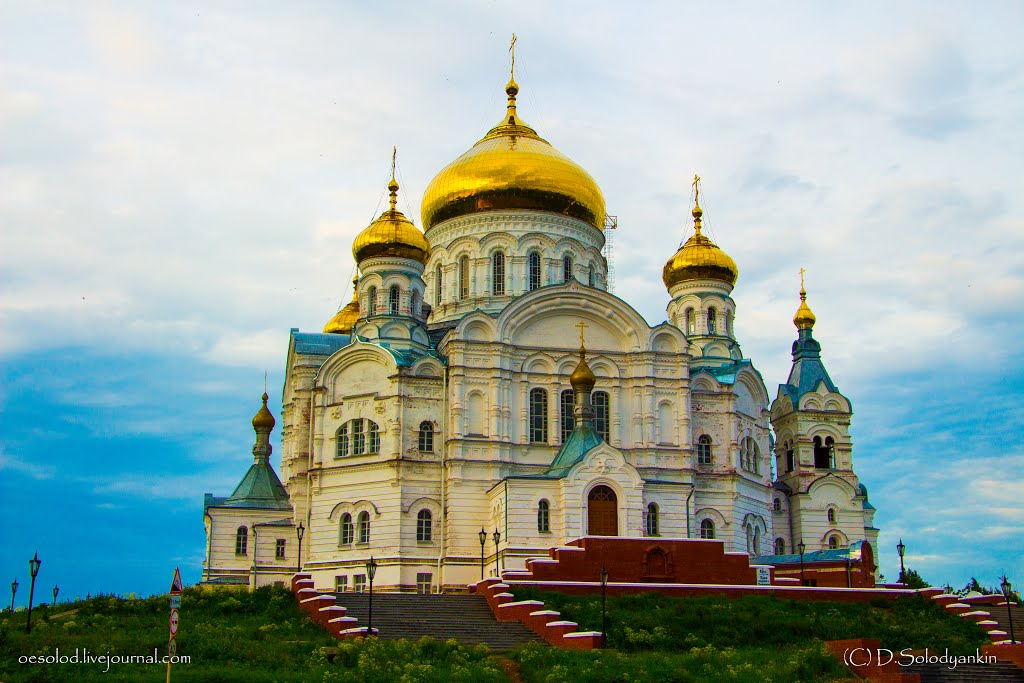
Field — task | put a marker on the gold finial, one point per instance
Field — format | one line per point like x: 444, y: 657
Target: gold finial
x: 393, y: 185
x: 265, y: 382
x: 512, y: 88
x: 697, y: 211
x: 804, y: 318
x: 512, y: 51
x: 582, y: 325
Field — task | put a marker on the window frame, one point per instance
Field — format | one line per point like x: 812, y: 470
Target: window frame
x: 425, y: 437
x: 463, y: 277
x: 372, y: 438
x: 280, y: 548
x: 424, y: 526
x: 543, y: 516
x: 567, y: 268
x: 346, y: 531
x: 601, y: 403
x: 707, y: 529
x: 567, y: 410
x: 705, y: 454
x: 242, y: 541
x: 498, y: 273
x: 651, y: 520
x: 538, y: 424
x: 363, y: 527
x: 371, y: 301
x: 394, y: 299
x: 533, y: 269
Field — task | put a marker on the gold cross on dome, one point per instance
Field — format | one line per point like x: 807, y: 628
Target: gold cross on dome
x: 512, y: 49
x: 582, y: 325
x: 696, y: 189
x: 394, y: 158
x: 801, y: 278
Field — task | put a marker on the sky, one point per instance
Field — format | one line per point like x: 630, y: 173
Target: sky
x: 180, y: 185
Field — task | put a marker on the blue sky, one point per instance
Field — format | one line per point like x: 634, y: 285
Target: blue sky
x: 182, y: 184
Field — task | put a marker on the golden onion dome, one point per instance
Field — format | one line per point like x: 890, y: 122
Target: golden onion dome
x: 513, y: 168
x: 392, y: 234
x: 582, y: 378
x: 264, y: 420
x: 804, y: 318
x: 345, y: 319
x: 699, y: 258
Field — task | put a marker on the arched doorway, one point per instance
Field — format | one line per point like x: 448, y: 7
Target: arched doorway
x: 602, y: 512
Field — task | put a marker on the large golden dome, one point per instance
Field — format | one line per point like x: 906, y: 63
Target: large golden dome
x: 512, y: 168
x: 392, y: 234
x: 699, y: 259
x: 345, y: 319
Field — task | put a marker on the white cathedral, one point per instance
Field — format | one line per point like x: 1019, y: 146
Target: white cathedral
x: 448, y: 420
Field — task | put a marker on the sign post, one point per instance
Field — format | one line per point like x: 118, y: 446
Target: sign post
x: 172, y: 643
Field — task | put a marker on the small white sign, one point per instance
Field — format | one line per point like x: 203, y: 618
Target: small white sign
x: 175, y: 602
x: 764, y: 576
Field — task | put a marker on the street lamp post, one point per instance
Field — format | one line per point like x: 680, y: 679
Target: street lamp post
x: 33, y: 569
x: 802, y: 547
x: 497, y: 539
x: 604, y: 612
x: 56, y: 589
x: 900, y: 548
x: 483, y: 542
x: 14, y: 591
x: 300, y: 531
x: 371, y: 571
x: 1007, y: 593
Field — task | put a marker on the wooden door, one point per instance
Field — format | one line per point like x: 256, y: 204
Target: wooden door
x: 602, y: 512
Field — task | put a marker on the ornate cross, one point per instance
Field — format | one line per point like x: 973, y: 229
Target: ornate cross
x: 582, y: 325
x: 801, y: 278
x: 512, y: 49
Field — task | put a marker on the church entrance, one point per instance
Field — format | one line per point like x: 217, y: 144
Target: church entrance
x: 602, y: 512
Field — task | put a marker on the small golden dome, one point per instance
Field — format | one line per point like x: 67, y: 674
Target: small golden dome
x: 699, y: 258
x: 582, y: 378
x: 804, y: 318
x: 392, y: 234
x: 513, y: 168
x: 345, y: 319
x: 264, y: 420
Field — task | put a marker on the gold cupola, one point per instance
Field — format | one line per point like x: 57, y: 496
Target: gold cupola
x: 392, y: 234
x: 513, y: 168
x: 345, y: 319
x: 699, y: 258
x: 804, y: 318
x: 263, y: 421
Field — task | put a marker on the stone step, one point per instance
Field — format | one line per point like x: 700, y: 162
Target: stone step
x: 1000, y: 672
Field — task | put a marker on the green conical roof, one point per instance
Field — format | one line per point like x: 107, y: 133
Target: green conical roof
x: 260, y: 488
x: 582, y: 440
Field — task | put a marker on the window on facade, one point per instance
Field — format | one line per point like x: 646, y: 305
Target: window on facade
x: 359, y: 583
x: 438, y: 285
x: 364, y: 527
x: 780, y: 546
x: 343, y: 440
x: 543, y: 517
x: 538, y: 416
x: 590, y: 275
x: 691, y: 321
x: 424, y: 583
x: 414, y: 303
x: 534, y: 270
x: 756, y: 547
x: 567, y: 399
x: 279, y: 548
x: 358, y: 438
x: 823, y: 453
x: 704, y: 450
x: 599, y: 400
x: 711, y: 320
x: 790, y: 457
x: 498, y: 273
x: 833, y: 542
x: 831, y: 516
x: 371, y: 301
x: 728, y: 322
x: 707, y: 528
x: 345, y: 531
x: 242, y: 541
x: 393, y: 295
x: 426, y: 437
x: 777, y: 505
x: 373, y: 432
x: 340, y: 584
x: 750, y: 455
x: 424, y: 529
x: 464, y: 277
x: 830, y: 446
x: 566, y: 268
x: 652, y: 519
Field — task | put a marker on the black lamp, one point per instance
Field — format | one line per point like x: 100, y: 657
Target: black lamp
x: 300, y: 531
x: 900, y: 548
x: 801, y: 546
x: 371, y: 571
x: 14, y: 591
x: 56, y: 589
x: 483, y: 542
x: 1008, y: 593
x: 33, y: 569
x: 497, y: 539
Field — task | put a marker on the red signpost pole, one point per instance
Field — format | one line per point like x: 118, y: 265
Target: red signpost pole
x: 172, y: 642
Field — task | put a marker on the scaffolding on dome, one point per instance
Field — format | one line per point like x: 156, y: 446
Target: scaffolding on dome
x: 610, y: 223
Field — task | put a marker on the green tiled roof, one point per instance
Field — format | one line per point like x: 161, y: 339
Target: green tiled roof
x: 260, y: 488
x: 582, y: 440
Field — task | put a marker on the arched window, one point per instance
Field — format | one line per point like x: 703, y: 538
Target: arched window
x: 358, y: 438
x: 345, y: 530
x: 750, y: 455
x: 652, y: 519
x: 704, y: 450
x: 538, y: 416
x: 426, y: 437
x: 498, y: 273
x: 543, y: 517
x: 534, y: 270
x: 424, y: 530
x: 830, y: 447
x: 780, y: 546
x: 777, y: 505
x: 464, y: 278
x: 666, y: 431
x: 242, y: 541
x: 790, y: 457
x: 343, y: 440
x: 707, y: 528
x: 414, y: 304
x: 566, y: 268
x: 728, y: 322
x: 438, y: 285
x: 711, y: 320
x: 567, y: 399
x: 590, y: 275
x: 600, y: 401
x: 371, y: 301
x: 756, y: 547
x: 373, y: 434
x: 833, y: 542
x: 691, y: 321
x: 393, y: 295
x: 831, y: 515
x: 822, y: 454
x: 364, y: 527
